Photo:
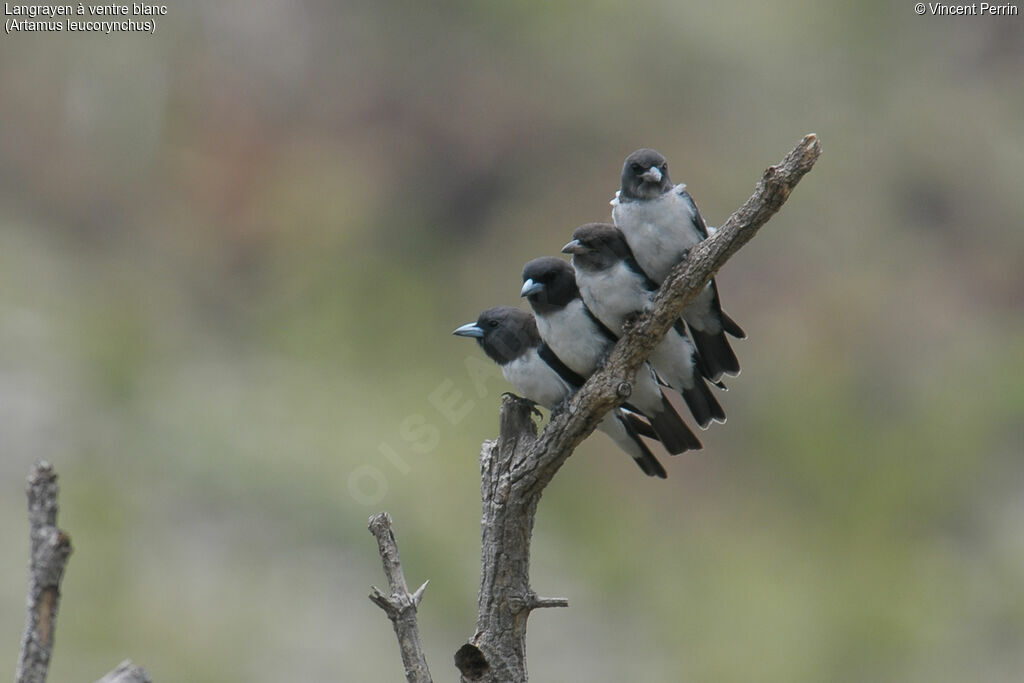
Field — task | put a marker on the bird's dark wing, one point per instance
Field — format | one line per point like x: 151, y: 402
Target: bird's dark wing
x: 561, y: 369
x: 698, y: 220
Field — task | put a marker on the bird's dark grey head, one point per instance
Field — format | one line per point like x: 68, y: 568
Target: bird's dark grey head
x: 548, y: 284
x: 644, y: 176
x: 597, y: 246
x: 503, y: 332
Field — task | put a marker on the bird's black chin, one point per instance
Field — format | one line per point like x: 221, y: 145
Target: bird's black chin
x: 586, y: 262
x: 541, y: 305
x: 650, y: 190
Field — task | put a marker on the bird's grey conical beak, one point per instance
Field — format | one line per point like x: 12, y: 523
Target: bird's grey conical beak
x: 531, y: 287
x: 469, y: 330
x: 653, y: 174
x: 574, y: 247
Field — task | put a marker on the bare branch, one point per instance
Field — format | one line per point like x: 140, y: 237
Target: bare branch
x: 539, y: 603
x: 400, y: 605
x: 126, y: 672
x: 517, y: 467
x: 50, y: 549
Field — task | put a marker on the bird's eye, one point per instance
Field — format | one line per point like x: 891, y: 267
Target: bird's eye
x: 637, y: 168
x: 492, y: 323
x: 664, y: 167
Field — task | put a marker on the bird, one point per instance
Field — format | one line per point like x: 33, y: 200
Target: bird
x: 661, y: 223
x: 582, y: 342
x: 615, y: 288
x: 510, y: 338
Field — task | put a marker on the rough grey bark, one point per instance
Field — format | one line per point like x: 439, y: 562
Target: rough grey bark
x: 126, y: 672
x: 511, y: 486
x: 400, y: 605
x: 50, y: 548
x: 517, y: 467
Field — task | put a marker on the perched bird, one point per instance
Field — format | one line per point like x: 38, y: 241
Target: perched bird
x: 581, y: 341
x: 615, y: 288
x: 661, y: 224
x: 510, y: 338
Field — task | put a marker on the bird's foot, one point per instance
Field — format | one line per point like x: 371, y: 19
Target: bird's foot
x: 561, y: 407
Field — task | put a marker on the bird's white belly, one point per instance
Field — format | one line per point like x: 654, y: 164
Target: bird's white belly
x: 673, y: 360
x: 534, y: 379
x: 699, y: 314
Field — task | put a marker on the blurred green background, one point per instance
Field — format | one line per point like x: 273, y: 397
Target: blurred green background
x: 232, y: 254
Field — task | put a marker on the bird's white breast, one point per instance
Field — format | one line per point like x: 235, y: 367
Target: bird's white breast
x: 574, y: 337
x: 613, y: 294
x: 658, y: 230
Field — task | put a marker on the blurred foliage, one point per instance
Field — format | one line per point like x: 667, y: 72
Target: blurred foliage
x: 231, y: 255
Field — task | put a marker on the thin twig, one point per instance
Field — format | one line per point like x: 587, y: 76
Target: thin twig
x: 400, y: 605
x: 50, y: 549
x: 539, y: 603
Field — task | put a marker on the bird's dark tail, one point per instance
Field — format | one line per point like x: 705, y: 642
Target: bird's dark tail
x: 716, y: 356
x: 672, y: 431
x: 730, y: 326
x: 703, y: 405
x: 639, y: 424
x: 621, y: 426
x: 637, y: 449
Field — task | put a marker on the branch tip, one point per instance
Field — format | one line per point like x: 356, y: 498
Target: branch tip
x: 126, y: 672
x: 50, y: 549
x: 418, y: 595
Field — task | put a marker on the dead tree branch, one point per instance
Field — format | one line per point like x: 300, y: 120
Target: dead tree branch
x: 400, y: 605
x: 50, y: 548
x: 517, y: 467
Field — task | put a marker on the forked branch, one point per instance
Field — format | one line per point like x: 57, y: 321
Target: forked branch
x: 399, y: 605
